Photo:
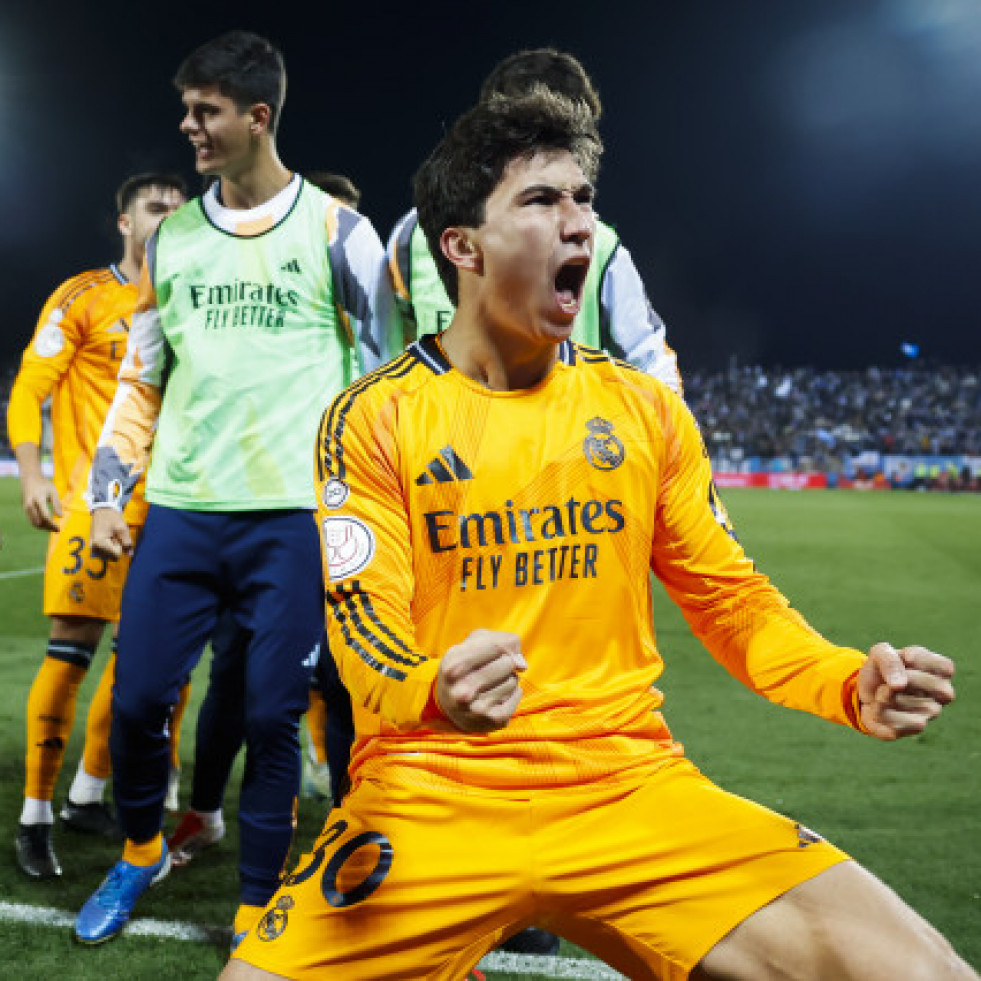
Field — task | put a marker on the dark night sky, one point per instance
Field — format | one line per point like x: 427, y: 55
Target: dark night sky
x: 796, y: 179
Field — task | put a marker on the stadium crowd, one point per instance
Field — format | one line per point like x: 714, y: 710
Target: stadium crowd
x: 817, y: 420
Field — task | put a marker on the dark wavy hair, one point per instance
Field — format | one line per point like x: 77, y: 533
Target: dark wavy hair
x: 452, y: 186
x: 557, y: 70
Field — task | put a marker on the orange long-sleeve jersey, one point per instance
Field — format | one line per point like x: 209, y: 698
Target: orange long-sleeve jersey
x: 74, y: 357
x: 445, y: 506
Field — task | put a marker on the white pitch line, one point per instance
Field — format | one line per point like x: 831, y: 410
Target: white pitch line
x: 537, y: 965
x: 17, y: 573
x: 140, y: 926
x: 577, y: 968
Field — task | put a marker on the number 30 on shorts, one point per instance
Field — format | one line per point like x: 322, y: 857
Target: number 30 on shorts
x: 328, y: 880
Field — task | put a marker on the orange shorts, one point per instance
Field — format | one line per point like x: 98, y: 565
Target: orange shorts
x: 75, y: 582
x: 410, y: 883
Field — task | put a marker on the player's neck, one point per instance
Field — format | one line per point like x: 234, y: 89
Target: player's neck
x: 255, y: 184
x: 129, y: 266
x: 498, y: 360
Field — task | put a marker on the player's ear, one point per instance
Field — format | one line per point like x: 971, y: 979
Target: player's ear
x: 124, y: 223
x: 259, y: 114
x: 459, y: 247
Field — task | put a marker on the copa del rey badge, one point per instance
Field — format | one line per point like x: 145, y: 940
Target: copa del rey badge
x: 349, y: 547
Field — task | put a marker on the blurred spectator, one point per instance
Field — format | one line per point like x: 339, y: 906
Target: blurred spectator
x: 820, y: 420
x: 817, y: 418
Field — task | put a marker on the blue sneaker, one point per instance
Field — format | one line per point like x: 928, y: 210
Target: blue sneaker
x: 106, y: 911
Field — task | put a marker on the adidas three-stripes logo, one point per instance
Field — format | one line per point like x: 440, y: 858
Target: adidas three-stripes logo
x: 444, y: 469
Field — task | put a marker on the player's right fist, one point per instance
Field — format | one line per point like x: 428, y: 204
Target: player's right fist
x: 110, y: 534
x: 477, y: 686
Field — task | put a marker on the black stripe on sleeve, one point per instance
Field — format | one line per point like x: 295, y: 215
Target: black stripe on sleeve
x: 394, y: 638
x: 365, y: 655
x: 331, y: 455
x: 350, y: 598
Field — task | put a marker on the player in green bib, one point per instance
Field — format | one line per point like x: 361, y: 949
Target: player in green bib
x: 259, y: 301
x: 616, y: 314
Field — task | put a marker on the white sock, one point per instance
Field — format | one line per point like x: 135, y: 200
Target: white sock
x: 85, y: 788
x: 36, y: 811
x: 211, y: 819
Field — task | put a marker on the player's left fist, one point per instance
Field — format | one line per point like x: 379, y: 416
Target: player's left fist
x: 901, y: 691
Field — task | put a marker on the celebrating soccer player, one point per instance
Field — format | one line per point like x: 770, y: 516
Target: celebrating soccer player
x: 615, y: 313
x: 491, y: 505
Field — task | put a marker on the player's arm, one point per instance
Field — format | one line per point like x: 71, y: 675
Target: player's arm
x: 123, y: 450
x: 630, y: 326
x: 746, y: 624
x: 44, y: 363
x: 363, y: 288
x: 368, y: 570
x: 398, y: 254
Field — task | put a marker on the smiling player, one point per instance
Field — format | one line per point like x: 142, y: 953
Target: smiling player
x: 257, y: 301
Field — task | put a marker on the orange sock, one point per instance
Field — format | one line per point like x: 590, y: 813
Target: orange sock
x: 176, y: 721
x: 316, y: 726
x: 50, y: 714
x: 143, y: 852
x: 95, y: 753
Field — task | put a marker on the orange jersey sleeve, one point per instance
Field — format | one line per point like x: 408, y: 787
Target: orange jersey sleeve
x: 445, y: 507
x: 123, y: 450
x: 384, y: 663
x: 74, y: 356
x: 744, y: 622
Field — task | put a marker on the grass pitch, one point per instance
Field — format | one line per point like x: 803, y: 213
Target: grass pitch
x: 860, y: 567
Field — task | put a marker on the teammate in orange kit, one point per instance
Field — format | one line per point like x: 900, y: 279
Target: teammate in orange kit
x: 73, y: 357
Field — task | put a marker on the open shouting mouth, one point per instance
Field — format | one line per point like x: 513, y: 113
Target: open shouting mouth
x: 569, y: 282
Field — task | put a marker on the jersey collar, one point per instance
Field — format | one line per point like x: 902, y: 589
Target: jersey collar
x: 427, y: 351
x: 253, y: 220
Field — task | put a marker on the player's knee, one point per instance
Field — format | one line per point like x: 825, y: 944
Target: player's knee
x: 82, y: 631
x: 271, y: 724
x: 928, y: 955
x: 138, y: 708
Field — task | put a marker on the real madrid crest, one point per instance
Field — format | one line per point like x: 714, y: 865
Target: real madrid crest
x: 273, y: 923
x: 603, y: 450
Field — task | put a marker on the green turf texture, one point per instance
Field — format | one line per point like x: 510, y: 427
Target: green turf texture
x: 860, y: 566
